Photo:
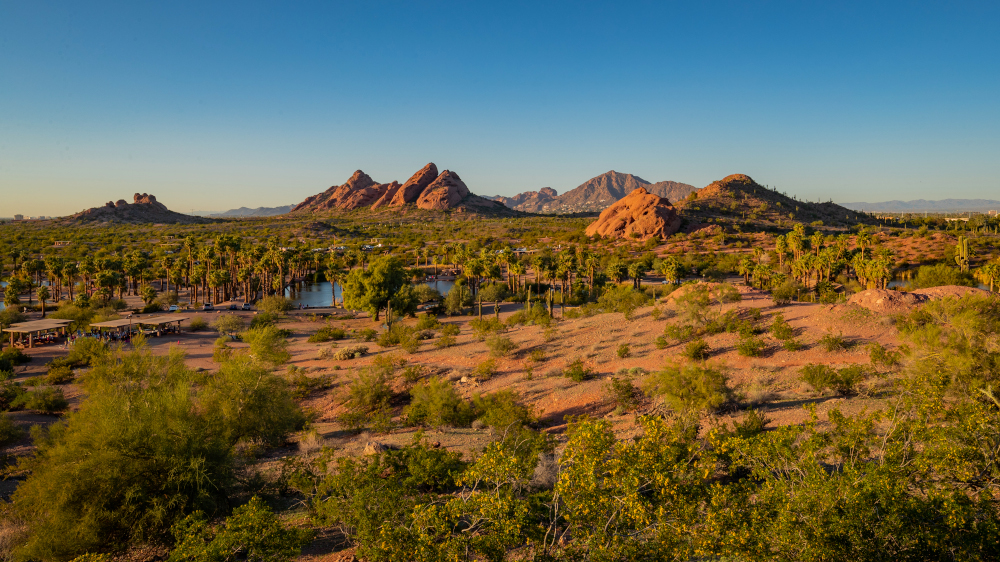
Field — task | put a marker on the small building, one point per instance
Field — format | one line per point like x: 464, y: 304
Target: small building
x: 19, y: 217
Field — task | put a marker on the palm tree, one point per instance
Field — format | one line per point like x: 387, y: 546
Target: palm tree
x: 43, y: 295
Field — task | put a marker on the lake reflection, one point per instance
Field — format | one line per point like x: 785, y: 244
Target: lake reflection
x: 320, y: 294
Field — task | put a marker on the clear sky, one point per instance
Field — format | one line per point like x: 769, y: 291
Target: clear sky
x: 212, y: 106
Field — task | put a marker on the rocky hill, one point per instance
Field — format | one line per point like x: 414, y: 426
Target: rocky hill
x: 427, y: 190
x: 258, y: 212
x: 639, y: 215
x: 596, y: 194
x: 143, y: 209
x: 739, y: 199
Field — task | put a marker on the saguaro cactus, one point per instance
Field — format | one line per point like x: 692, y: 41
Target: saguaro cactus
x: 962, y: 253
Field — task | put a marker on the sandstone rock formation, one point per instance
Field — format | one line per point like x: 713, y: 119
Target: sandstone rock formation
x: 595, y: 194
x: 426, y: 189
x: 143, y: 209
x: 640, y: 215
x: 445, y: 192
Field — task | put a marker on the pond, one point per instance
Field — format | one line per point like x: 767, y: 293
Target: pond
x: 320, y: 294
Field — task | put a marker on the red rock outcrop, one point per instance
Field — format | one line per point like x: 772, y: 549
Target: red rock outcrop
x: 144, y: 209
x: 639, y: 214
x: 446, y: 192
x: 426, y: 189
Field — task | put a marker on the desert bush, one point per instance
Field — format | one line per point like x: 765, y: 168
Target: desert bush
x: 437, y: 403
x: 750, y: 346
x: 302, y: 385
x: 537, y: 355
x: 697, y: 350
x: 252, y: 530
x: 221, y: 350
x: 9, y: 432
x: 264, y: 319
x: 784, y: 293
x: 940, y: 275
x: 395, y: 335
x: 350, y: 352
x: 781, y: 329
x: 413, y: 373
x: 832, y: 343
x: 727, y: 293
x: 623, y: 394
x: 9, y: 392
x: 623, y: 299
x: 843, y: 381
x: 197, y: 324
x: 485, y: 370
x: 753, y: 423
x: 367, y: 335
x: 679, y: 332
x: 577, y: 371
x: 661, y: 342
x: 49, y: 400
x: 60, y: 374
x: 696, y: 387
x: 883, y: 358
x: 428, y: 321
x: 230, y: 324
x: 623, y: 351
x: 791, y: 345
x: 501, y: 346
x: 502, y: 409
x: 367, y: 397
x: 327, y: 333
x: 274, y: 304
x: 268, y: 345
x: 13, y: 356
x: 485, y: 326
x: 656, y: 313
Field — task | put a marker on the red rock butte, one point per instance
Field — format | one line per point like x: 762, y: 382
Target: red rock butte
x: 639, y: 215
x: 426, y: 189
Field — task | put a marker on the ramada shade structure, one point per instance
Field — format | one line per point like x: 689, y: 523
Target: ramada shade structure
x: 36, y: 327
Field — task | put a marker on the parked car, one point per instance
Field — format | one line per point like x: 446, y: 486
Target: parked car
x: 247, y: 306
x: 208, y: 307
x: 173, y: 308
x: 234, y: 307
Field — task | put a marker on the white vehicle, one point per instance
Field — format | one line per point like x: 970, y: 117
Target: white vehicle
x: 173, y: 308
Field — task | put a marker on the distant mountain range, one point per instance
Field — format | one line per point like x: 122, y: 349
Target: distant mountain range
x: 258, y: 212
x: 596, y: 194
x: 925, y: 206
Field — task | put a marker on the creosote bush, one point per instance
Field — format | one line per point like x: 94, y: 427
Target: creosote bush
x: 750, y: 346
x: 327, y: 333
x: 843, y: 381
x: 697, y: 350
x: 577, y: 371
x: 501, y: 346
x: 691, y: 387
x: 623, y: 351
x: 833, y: 343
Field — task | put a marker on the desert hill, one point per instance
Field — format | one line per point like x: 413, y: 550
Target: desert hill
x: 143, y: 209
x: 738, y: 198
x: 640, y: 215
x: 426, y: 190
x: 595, y: 194
x: 258, y: 212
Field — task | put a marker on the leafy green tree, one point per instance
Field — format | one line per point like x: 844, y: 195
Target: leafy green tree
x: 384, y: 283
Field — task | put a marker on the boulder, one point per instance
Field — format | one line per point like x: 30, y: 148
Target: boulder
x: 640, y: 215
x: 447, y: 191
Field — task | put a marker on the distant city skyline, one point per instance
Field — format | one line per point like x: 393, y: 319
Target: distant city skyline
x: 217, y: 106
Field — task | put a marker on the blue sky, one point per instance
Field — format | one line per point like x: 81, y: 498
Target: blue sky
x: 212, y: 106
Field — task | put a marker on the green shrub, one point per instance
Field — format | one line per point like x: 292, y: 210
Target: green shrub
x: 502, y: 409
x: 623, y: 351
x: 221, y: 351
x: 656, y: 313
x: 753, y: 424
x: 59, y: 374
x: 696, y: 387
x: 750, y: 346
x: 151, y: 308
x: 679, y: 332
x: 791, y: 345
x: 230, y: 324
x: 781, y: 329
x: 437, y: 403
x: 940, y: 275
x: 727, y: 293
x: 661, y: 342
x: 537, y: 355
x: 302, y: 385
x: 274, y: 304
x: 268, y: 345
x: 48, y: 400
x: 327, y: 333
x: 843, y: 381
x: 367, y: 334
x: 623, y: 299
x: 697, y: 350
x: 501, y: 346
x: 784, y: 293
x: 577, y: 371
x: 9, y: 393
x: 351, y: 352
x: 197, y: 324
x: 252, y: 530
x: 881, y: 357
x: 537, y: 315
x: 831, y: 343
x: 428, y: 322
x: 485, y: 326
x: 264, y: 319
x: 485, y: 370
x: 367, y: 397
x: 395, y: 335
x: 623, y: 394
x: 9, y: 432
x: 412, y: 373
x: 14, y: 356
